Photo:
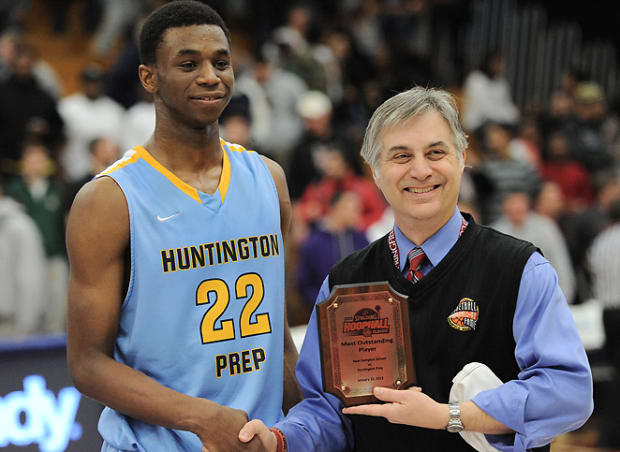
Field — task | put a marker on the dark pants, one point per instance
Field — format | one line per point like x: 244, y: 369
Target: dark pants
x: 610, y: 422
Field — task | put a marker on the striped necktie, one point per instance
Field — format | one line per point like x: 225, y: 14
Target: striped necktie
x: 415, y: 257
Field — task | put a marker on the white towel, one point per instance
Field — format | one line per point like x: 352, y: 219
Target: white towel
x: 472, y: 379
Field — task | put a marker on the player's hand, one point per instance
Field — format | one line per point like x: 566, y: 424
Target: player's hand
x: 410, y: 406
x: 256, y: 428
x: 221, y: 433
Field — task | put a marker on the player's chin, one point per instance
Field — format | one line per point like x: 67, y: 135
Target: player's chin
x: 212, y: 110
x: 202, y: 121
x: 201, y: 117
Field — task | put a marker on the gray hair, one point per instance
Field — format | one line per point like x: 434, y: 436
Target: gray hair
x: 406, y: 105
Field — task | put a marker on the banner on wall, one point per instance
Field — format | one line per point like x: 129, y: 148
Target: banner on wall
x: 40, y: 410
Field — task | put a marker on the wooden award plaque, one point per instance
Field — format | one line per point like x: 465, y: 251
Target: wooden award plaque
x: 365, y: 341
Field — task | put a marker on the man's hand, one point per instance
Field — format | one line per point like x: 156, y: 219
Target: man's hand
x: 221, y: 435
x: 256, y: 428
x: 410, y: 406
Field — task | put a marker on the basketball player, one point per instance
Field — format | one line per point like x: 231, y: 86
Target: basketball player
x: 176, y: 306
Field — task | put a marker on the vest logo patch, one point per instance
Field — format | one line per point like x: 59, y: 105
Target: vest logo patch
x: 465, y: 315
x: 365, y: 322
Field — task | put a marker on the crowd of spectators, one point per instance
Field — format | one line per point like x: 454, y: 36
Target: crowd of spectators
x: 307, y: 80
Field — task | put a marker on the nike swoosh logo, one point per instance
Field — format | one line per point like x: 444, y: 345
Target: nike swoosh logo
x: 168, y: 217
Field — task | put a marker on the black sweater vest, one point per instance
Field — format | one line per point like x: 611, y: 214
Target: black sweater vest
x: 484, y: 266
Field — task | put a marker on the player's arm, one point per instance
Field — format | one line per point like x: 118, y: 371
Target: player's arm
x: 97, y: 242
x: 292, y: 394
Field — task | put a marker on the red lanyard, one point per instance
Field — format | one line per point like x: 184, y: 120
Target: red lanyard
x: 394, y: 246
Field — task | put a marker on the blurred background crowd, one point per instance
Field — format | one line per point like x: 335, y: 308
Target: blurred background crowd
x: 537, y: 85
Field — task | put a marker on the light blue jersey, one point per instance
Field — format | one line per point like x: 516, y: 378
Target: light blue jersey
x: 204, y: 311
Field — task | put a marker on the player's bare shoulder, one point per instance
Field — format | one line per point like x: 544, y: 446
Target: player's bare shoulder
x: 279, y: 178
x: 99, y: 217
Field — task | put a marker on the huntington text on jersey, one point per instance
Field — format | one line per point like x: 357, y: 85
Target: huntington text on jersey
x: 219, y: 253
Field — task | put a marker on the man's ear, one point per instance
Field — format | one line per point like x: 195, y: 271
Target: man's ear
x: 148, y: 78
x: 375, y: 174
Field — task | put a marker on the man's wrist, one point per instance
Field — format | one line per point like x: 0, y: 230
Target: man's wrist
x: 443, y: 417
x: 280, y: 439
x: 455, y: 423
x: 198, y: 414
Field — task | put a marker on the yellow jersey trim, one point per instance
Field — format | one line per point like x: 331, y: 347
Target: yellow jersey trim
x: 225, y: 177
x: 235, y: 147
x: 120, y: 164
x: 184, y: 186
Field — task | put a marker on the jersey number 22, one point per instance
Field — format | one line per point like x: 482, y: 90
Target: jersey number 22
x: 226, y: 331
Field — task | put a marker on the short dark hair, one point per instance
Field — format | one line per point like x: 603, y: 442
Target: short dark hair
x: 180, y: 13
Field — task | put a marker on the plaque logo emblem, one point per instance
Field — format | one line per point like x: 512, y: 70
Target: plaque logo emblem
x: 366, y: 322
x: 465, y: 315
